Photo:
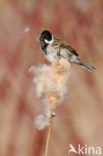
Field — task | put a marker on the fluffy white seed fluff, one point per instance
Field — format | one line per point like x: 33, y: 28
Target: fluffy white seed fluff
x: 52, y: 87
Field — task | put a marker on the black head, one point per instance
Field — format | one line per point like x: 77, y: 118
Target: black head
x: 45, y: 35
x: 45, y: 39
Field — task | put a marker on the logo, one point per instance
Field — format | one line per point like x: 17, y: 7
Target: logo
x: 84, y: 149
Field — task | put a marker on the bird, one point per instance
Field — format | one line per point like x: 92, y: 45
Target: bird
x: 55, y: 49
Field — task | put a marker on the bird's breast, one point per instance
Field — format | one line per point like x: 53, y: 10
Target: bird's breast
x: 51, y: 54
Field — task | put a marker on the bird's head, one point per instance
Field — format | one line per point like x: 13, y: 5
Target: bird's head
x: 46, y: 37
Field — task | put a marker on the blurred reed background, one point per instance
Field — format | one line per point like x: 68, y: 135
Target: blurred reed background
x: 79, y: 119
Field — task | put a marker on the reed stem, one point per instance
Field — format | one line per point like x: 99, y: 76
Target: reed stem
x: 48, y: 135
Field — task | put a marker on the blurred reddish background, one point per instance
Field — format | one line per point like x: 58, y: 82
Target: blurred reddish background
x: 79, y: 119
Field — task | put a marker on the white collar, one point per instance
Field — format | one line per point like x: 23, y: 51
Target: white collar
x: 49, y: 42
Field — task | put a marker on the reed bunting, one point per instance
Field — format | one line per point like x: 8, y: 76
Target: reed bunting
x: 55, y: 49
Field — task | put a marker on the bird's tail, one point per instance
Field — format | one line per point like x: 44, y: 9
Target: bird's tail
x: 84, y: 65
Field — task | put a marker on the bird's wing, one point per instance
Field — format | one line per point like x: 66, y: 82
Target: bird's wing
x: 65, y: 46
x: 68, y: 48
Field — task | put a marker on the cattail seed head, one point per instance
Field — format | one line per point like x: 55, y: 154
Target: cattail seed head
x: 52, y: 87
